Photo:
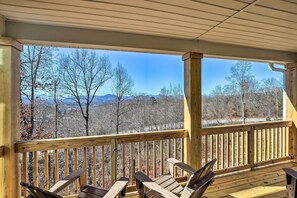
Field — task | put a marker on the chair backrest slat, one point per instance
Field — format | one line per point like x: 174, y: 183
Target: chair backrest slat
x: 200, y: 174
x: 36, y: 192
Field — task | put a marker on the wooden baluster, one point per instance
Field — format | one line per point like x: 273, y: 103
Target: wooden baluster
x: 46, y: 173
x: 264, y: 144
x: 211, y: 147
x: 260, y: 144
x: 85, y: 163
x: 182, y: 153
x: 205, y: 149
x: 229, y: 150
x: 162, y: 157
x: 223, y: 150
x: 36, y: 175
x: 284, y: 141
x: 56, y: 160
x: 139, y: 157
x: 275, y: 142
x: 291, y: 141
x: 168, y: 148
x: 147, y: 167
x: 251, y: 147
x: 278, y: 142
x: 238, y: 147
x: 287, y: 141
x: 154, y: 160
x: 242, y: 147
x: 25, y: 172
x: 255, y: 135
x: 124, y: 159
x: 66, y: 168
x: 94, y: 166
x: 132, y: 169
x: 175, y: 155
x: 267, y: 144
x: 114, y: 160
x: 76, y: 167
x: 217, y: 152
x: 103, y: 166
x: 244, y: 153
x: 272, y: 143
x: 233, y: 149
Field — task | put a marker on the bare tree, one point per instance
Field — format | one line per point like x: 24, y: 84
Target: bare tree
x: 272, y: 89
x: 122, y: 87
x: 84, y: 72
x: 240, y: 81
x: 34, y: 59
x: 54, y: 81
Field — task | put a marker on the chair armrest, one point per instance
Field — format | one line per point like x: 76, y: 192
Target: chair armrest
x: 290, y: 172
x: 60, y: 185
x: 174, y: 162
x: 148, y: 183
x: 117, y: 188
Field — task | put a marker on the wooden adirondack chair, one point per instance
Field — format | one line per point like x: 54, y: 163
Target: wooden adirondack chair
x: 118, y: 189
x: 291, y: 180
x: 167, y: 186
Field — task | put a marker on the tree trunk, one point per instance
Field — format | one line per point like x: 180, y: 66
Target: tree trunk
x: 243, y: 105
x: 56, y: 110
x: 117, y: 115
x: 31, y: 177
x: 276, y: 106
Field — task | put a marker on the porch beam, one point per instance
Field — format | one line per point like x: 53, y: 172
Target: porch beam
x: 192, y: 108
x: 9, y: 116
x: 102, y: 39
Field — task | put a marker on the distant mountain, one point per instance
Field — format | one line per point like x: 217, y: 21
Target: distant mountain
x: 98, y: 100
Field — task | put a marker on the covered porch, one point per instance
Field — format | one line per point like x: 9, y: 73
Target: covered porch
x: 255, y: 30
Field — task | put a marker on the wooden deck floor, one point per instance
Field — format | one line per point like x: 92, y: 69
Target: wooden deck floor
x: 262, y: 182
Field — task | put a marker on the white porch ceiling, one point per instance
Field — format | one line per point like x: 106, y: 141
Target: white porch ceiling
x: 267, y: 24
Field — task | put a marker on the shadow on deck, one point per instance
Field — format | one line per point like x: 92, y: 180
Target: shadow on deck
x: 263, y: 182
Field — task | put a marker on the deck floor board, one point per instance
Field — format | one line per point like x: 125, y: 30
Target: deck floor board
x: 262, y: 182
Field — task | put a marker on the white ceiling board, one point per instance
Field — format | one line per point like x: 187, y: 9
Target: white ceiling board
x: 286, y: 6
x: 198, y: 6
x: 267, y: 24
x: 273, y: 13
x: 231, y: 4
x: 267, y: 20
x: 243, y: 39
x: 15, y: 10
x: 257, y: 35
x: 73, y: 19
x: 257, y: 24
x: 248, y: 43
x: 263, y: 31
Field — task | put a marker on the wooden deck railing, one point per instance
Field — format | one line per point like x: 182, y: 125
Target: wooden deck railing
x: 245, y: 146
x: 107, y: 157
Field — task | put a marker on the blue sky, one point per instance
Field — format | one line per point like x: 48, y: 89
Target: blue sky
x: 151, y: 72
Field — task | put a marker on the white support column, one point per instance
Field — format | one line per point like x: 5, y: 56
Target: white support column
x: 9, y: 116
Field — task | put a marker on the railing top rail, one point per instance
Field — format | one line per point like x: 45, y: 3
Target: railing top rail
x: 87, y: 141
x: 245, y: 127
